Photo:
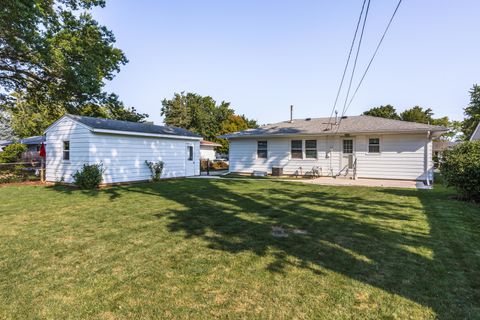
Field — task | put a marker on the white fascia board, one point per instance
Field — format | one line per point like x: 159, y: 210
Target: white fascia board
x: 69, y: 118
x: 144, y: 134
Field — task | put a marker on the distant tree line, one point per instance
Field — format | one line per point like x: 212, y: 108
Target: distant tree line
x: 203, y: 115
x: 459, y: 130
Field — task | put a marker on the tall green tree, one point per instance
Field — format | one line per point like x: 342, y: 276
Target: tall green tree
x: 417, y: 114
x: 387, y: 111
x: 204, y: 116
x: 472, y: 112
x: 54, y: 55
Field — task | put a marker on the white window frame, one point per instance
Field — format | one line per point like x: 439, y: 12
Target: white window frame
x: 303, y: 149
x: 63, y: 151
x: 379, y: 145
x: 266, y: 150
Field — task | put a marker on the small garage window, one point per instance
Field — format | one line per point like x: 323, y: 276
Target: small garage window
x: 374, y: 145
x: 66, y: 150
x: 262, y: 152
x: 190, y: 153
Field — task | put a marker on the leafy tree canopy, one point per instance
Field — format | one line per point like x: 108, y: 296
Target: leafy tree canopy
x: 387, y: 111
x: 472, y: 112
x: 417, y: 114
x: 54, y: 58
x: 204, y: 116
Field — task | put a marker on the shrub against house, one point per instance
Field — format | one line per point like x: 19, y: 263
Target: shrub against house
x: 460, y: 167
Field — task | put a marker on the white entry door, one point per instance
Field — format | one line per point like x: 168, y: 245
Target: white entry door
x: 189, y: 160
x: 348, y: 151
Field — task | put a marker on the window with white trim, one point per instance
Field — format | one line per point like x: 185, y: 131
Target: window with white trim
x: 262, y: 152
x: 66, y: 150
x: 190, y: 153
x: 311, y: 149
x: 374, y: 145
x: 348, y: 146
x: 296, y: 150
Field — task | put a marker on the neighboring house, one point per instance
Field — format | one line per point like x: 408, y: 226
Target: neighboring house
x: 33, y: 147
x: 476, y: 133
x: 207, y: 149
x: 359, y: 146
x: 121, y: 146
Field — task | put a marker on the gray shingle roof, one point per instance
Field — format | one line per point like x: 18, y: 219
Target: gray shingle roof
x: 351, y: 125
x: 33, y: 140
x: 118, y: 125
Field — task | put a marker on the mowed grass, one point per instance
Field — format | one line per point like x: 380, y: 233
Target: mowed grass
x: 202, y: 249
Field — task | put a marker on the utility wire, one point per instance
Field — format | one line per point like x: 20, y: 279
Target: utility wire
x: 374, y: 54
x: 356, y: 58
x: 348, y: 61
x: 354, y: 66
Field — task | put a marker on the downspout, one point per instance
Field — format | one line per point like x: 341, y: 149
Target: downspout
x: 426, y: 159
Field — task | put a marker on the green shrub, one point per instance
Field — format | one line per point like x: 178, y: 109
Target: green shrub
x: 12, y: 152
x: 90, y: 176
x: 460, y: 168
x: 156, y: 169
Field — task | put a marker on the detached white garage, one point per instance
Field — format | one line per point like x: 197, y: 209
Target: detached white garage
x: 121, y: 146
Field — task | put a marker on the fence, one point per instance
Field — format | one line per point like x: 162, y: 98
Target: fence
x: 20, y: 171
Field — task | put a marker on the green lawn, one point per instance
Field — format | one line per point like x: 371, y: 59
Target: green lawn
x: 197, y: 248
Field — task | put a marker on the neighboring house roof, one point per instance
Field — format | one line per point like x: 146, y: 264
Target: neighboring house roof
x: 441, y: 145
x: 476, y: 133
x: 209, y: 143
x: 348, y: 125
x: 33, y: 140
x: 126, y: 127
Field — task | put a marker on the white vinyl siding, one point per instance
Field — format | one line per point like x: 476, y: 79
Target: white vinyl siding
x: 405, y: 156
x: 243, y: 156
x: 78, y: 136
x: 123, y: 156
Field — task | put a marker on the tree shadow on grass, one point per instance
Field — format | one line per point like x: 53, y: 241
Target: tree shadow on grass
x: 397, y: 240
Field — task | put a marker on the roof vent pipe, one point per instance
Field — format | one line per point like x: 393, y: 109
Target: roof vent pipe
x: 336, y: 114
x: 291, y: 113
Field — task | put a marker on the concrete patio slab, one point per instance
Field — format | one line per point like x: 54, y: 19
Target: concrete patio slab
x: 369, y: 183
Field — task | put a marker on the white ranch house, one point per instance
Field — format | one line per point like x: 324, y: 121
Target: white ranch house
x: 356, y: 147
x: 121, y: 146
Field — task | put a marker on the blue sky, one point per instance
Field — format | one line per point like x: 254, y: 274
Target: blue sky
x: 263, y: 56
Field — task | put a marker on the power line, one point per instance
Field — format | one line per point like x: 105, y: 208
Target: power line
x: 354, y: 67
x: 374, y: 54
x: 348, y: 60
x: 356, y: 58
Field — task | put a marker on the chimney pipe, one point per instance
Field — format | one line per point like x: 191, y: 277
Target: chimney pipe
x: 336, y: 113
x: 291, y: 113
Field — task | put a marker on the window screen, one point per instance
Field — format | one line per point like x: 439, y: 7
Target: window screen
x: 262, y: 149
x: 66, y: 150
x: 347, y: 146
x: 310, y: 149
x: 296, y: 150
x: 374, y: 145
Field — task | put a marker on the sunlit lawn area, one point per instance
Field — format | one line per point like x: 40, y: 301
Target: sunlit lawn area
x: 194, y: 248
